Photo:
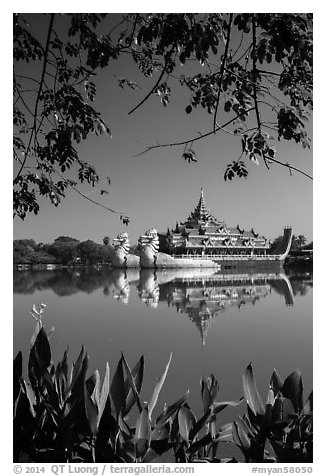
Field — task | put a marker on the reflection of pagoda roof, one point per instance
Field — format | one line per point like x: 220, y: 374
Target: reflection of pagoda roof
x: 203, y: 300
x: 202, y: 319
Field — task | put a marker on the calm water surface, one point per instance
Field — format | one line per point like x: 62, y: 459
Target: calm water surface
x: 212, y: 323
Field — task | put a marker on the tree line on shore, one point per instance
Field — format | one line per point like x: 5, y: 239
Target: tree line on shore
x: 66, y: 250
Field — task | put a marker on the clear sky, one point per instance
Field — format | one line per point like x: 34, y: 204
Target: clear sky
x: 158, y: 188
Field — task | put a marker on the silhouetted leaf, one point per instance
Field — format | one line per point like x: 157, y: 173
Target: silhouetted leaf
x: 293, y: 389
x: 91, y: 410
x: 282, y: 409
x: 117, y: 389
x: 308, y: 406
x: 276, y: 382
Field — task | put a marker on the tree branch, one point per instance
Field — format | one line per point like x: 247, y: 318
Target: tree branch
x: 194, y: 139
x: 69, y: 184
x: 287, y: 165
x: 254, y: 68
x: 222, y: 69
x: 151, y: 91
x: 39, y: 93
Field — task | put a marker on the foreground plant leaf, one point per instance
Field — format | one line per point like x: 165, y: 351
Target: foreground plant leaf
x: 293, y: 389
x: 187, y: 421
x: 251, y: 394
x: 137, y: 374
x: 171, y: 410
x: 276, y: 383
x: 117, y: 389
x: 158, y: 388
x: 104, y: 395
x: 143, y: 433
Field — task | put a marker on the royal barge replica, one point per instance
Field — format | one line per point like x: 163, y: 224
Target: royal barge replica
x: 202, y: 241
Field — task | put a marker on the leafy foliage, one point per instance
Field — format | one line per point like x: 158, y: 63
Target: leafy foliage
x: 298, y: 242
x: 67, y: 416
x: 285, y: 422
x: 262, y: 84
x: 64, y: 250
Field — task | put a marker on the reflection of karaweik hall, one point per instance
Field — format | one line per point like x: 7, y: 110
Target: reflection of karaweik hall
x: 201, y: 294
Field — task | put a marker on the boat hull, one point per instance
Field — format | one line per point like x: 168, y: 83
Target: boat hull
x: 165, y: 261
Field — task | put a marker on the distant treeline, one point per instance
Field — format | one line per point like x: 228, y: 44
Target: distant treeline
x: 64, y: 250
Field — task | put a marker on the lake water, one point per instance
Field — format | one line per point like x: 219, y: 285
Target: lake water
x: 212, y: 323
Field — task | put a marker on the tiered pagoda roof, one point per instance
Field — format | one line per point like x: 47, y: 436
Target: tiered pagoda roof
x: 203, y: 231
x: 201, y: 213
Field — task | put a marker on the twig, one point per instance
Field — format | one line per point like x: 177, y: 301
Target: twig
x: 69, y: 184
x: 287, y: 165
x: 151, y: 91
x: 202, y: 136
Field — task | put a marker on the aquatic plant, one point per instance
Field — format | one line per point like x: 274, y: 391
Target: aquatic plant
x: 63, y: 415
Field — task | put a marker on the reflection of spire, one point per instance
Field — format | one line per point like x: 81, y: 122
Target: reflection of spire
x: 204, y: 298
x: 203, y: 324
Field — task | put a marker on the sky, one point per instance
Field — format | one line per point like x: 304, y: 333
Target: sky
x: 158, y: 188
